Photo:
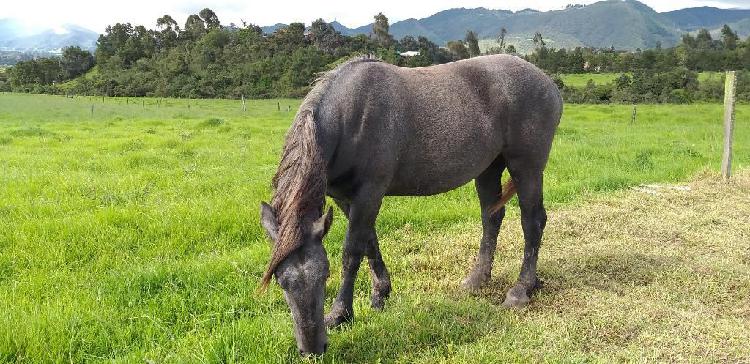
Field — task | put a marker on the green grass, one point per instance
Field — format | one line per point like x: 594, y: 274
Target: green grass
x: 132, y: 234
x: 580, y: 80
x: 90, y: 75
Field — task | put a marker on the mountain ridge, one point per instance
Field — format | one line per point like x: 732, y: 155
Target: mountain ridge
x: 627, y: 24
x: 48, y: 40
x: 622, y: 24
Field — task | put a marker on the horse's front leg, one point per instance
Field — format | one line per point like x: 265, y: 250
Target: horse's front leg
x: 360, y: 240
x: 381, y: 280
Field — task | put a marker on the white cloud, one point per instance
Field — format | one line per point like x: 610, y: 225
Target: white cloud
x: 96, y: 15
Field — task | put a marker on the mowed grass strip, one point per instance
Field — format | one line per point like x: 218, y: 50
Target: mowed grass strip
x: 132, y: 234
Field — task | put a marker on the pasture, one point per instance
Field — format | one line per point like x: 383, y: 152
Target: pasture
x: 581, y: 79
x: 131, y: 234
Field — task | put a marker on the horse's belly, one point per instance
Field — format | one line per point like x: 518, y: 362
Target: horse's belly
x: 430, y: 177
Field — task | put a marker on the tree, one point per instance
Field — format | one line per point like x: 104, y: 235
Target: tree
x: 538, y: 40
x: 381, y: 30
x: 166, y: 22
x: 210, y: 19
x: 28, y: 75
x: 167, y: 36
x: 703, y: 39
x: 510, y: 49
x: 408, y: 43
x: 287, y: 39
x: 473, y: 43
x: 458, y: 49
x: 689, y: 41
x: 501, y: 38
x: 729, y: 37
x: 326, y: 37
x: 112, y: 41
x: 75, y: 62
x: 195, y: 27
x: 431, y: 51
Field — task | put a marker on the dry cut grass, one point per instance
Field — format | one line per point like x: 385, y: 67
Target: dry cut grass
x: 655, y: 273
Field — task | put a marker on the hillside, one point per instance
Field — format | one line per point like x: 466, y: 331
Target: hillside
x: 625, y: 24
x: 622, y: 24
x: 47, y: 40
x: 705, y: 17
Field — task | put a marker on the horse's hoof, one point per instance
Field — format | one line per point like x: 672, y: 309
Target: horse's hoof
x: 474, y: 281
x: 337, y: 318
x: 377, y: 300
x: 517, y: 297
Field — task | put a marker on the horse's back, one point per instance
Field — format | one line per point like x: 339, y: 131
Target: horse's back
x: 429, y: 130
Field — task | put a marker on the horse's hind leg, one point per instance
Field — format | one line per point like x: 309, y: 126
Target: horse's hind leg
x: 360, y: 240
x: 528, y: 181
x: 489, y: 190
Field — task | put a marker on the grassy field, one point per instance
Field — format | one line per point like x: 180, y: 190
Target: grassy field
x: 131, y: 234
x: 580, y: 80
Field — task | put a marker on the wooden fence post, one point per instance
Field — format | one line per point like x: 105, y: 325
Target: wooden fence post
x: 729, y: 100
x: 244, y: 106
x: 635, y: 114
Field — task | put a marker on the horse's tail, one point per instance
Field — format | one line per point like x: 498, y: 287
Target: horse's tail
x: 508, y: 190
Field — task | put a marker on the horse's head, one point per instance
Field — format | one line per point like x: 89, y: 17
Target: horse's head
x: 302, y: 272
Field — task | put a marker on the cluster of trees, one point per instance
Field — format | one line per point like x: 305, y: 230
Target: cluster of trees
x: 656, y: 75
x: 41, y: 74
x: 696, y: 53
x: 4, y: 85
x: 205, y: 59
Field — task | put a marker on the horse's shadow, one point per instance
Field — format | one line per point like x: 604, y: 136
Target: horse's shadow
x: 411, y: 328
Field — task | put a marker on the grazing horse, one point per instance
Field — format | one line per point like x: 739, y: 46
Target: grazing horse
x: 369, y: 129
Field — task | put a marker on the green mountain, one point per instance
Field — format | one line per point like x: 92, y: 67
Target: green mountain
x: 624, y: 24
x: 706, y: 17
x: 48, y: 40
x: 742, y: 27
x: 621, y: 24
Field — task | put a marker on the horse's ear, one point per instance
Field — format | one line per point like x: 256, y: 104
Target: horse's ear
x: 268, y: 220
x: 320, y: 227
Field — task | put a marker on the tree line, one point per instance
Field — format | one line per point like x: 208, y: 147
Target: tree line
x: 205, y: 59
x: 659, y: 75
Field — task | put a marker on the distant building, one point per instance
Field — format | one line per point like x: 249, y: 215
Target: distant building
x: 409, y: 54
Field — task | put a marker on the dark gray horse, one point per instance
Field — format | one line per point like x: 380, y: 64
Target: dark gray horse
x: 369, y: 129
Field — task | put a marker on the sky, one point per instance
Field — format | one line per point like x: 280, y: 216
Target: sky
x: 96, y: 15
